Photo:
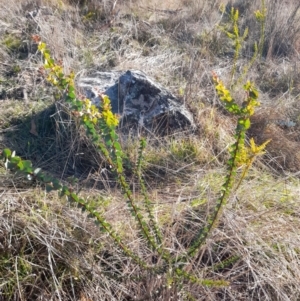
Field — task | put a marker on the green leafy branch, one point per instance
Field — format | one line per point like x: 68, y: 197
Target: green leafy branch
x: 148, y: 204
x: 15, y: 163
x: 233, y: 33
x: 239, y: 153
x: 260, y: 16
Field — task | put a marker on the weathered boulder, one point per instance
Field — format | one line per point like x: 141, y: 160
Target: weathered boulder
x: 141, y: 102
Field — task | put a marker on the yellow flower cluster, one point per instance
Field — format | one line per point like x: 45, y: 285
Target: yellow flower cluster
x: 89, y: 112
x: 223, y: 93
x: 247, y: 155
x: 109, y: 117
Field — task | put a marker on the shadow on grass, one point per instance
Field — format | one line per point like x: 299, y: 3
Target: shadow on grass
x: 53, y: 141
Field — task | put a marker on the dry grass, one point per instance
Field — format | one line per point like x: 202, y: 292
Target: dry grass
x: 282, y: 26
x: 52, y: 251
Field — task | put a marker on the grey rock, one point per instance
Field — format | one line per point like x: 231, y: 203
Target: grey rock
x: 139, y: 100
